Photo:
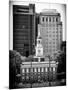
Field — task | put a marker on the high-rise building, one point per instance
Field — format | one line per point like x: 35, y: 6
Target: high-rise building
x: 24, y: 29
x: 51, y: 31
x: 63, y: 46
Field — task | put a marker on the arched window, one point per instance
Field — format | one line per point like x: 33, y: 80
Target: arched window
x: 46, y: 19
x: 49, y: 19
x: 53, y: 19
x: 43, y: 19
x: 56, y: 19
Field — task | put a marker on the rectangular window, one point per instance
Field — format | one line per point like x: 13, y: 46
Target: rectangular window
x: 53, y: 35
x: 53, y: 42
x: 50, y: 35
x: 56, y: 31
x: 53, y: 46
x: 46, y: 35
x: 53, y: 31
x: 49, y: 42
x: 25, y: 70
x: 46, y: 19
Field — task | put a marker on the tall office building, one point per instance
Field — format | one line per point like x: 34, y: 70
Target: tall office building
x: 51, y: 31
x: 24, y: 29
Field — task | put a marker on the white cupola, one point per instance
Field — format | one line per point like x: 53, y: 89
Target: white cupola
x: 39, y: 47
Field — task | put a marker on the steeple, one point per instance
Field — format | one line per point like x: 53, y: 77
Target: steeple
x: 39, y: 35
x: 38, y: 31
x: 39, y: 47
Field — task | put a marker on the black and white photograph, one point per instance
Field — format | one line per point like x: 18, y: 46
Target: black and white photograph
x: 37, y: 44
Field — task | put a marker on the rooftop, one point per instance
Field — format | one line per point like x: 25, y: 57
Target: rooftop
x: 49, y: 12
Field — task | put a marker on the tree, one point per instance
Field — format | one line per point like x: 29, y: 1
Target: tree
x: 60, y: 57
x: 30, y: 58
x: 14, y: 67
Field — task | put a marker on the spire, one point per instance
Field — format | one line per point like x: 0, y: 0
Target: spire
x: 39, y: 47
x: 39, y: 34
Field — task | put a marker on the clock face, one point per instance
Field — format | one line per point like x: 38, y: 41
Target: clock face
x: 39, y: 51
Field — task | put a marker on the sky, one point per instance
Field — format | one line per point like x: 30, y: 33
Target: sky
x: 61, y: 8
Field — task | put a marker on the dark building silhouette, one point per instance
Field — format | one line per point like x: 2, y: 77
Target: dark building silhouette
x: 24, y: 29
x: 63, y: 46
x: 36, y: 26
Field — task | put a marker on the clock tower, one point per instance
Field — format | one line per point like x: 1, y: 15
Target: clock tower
x: 39, y: 47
